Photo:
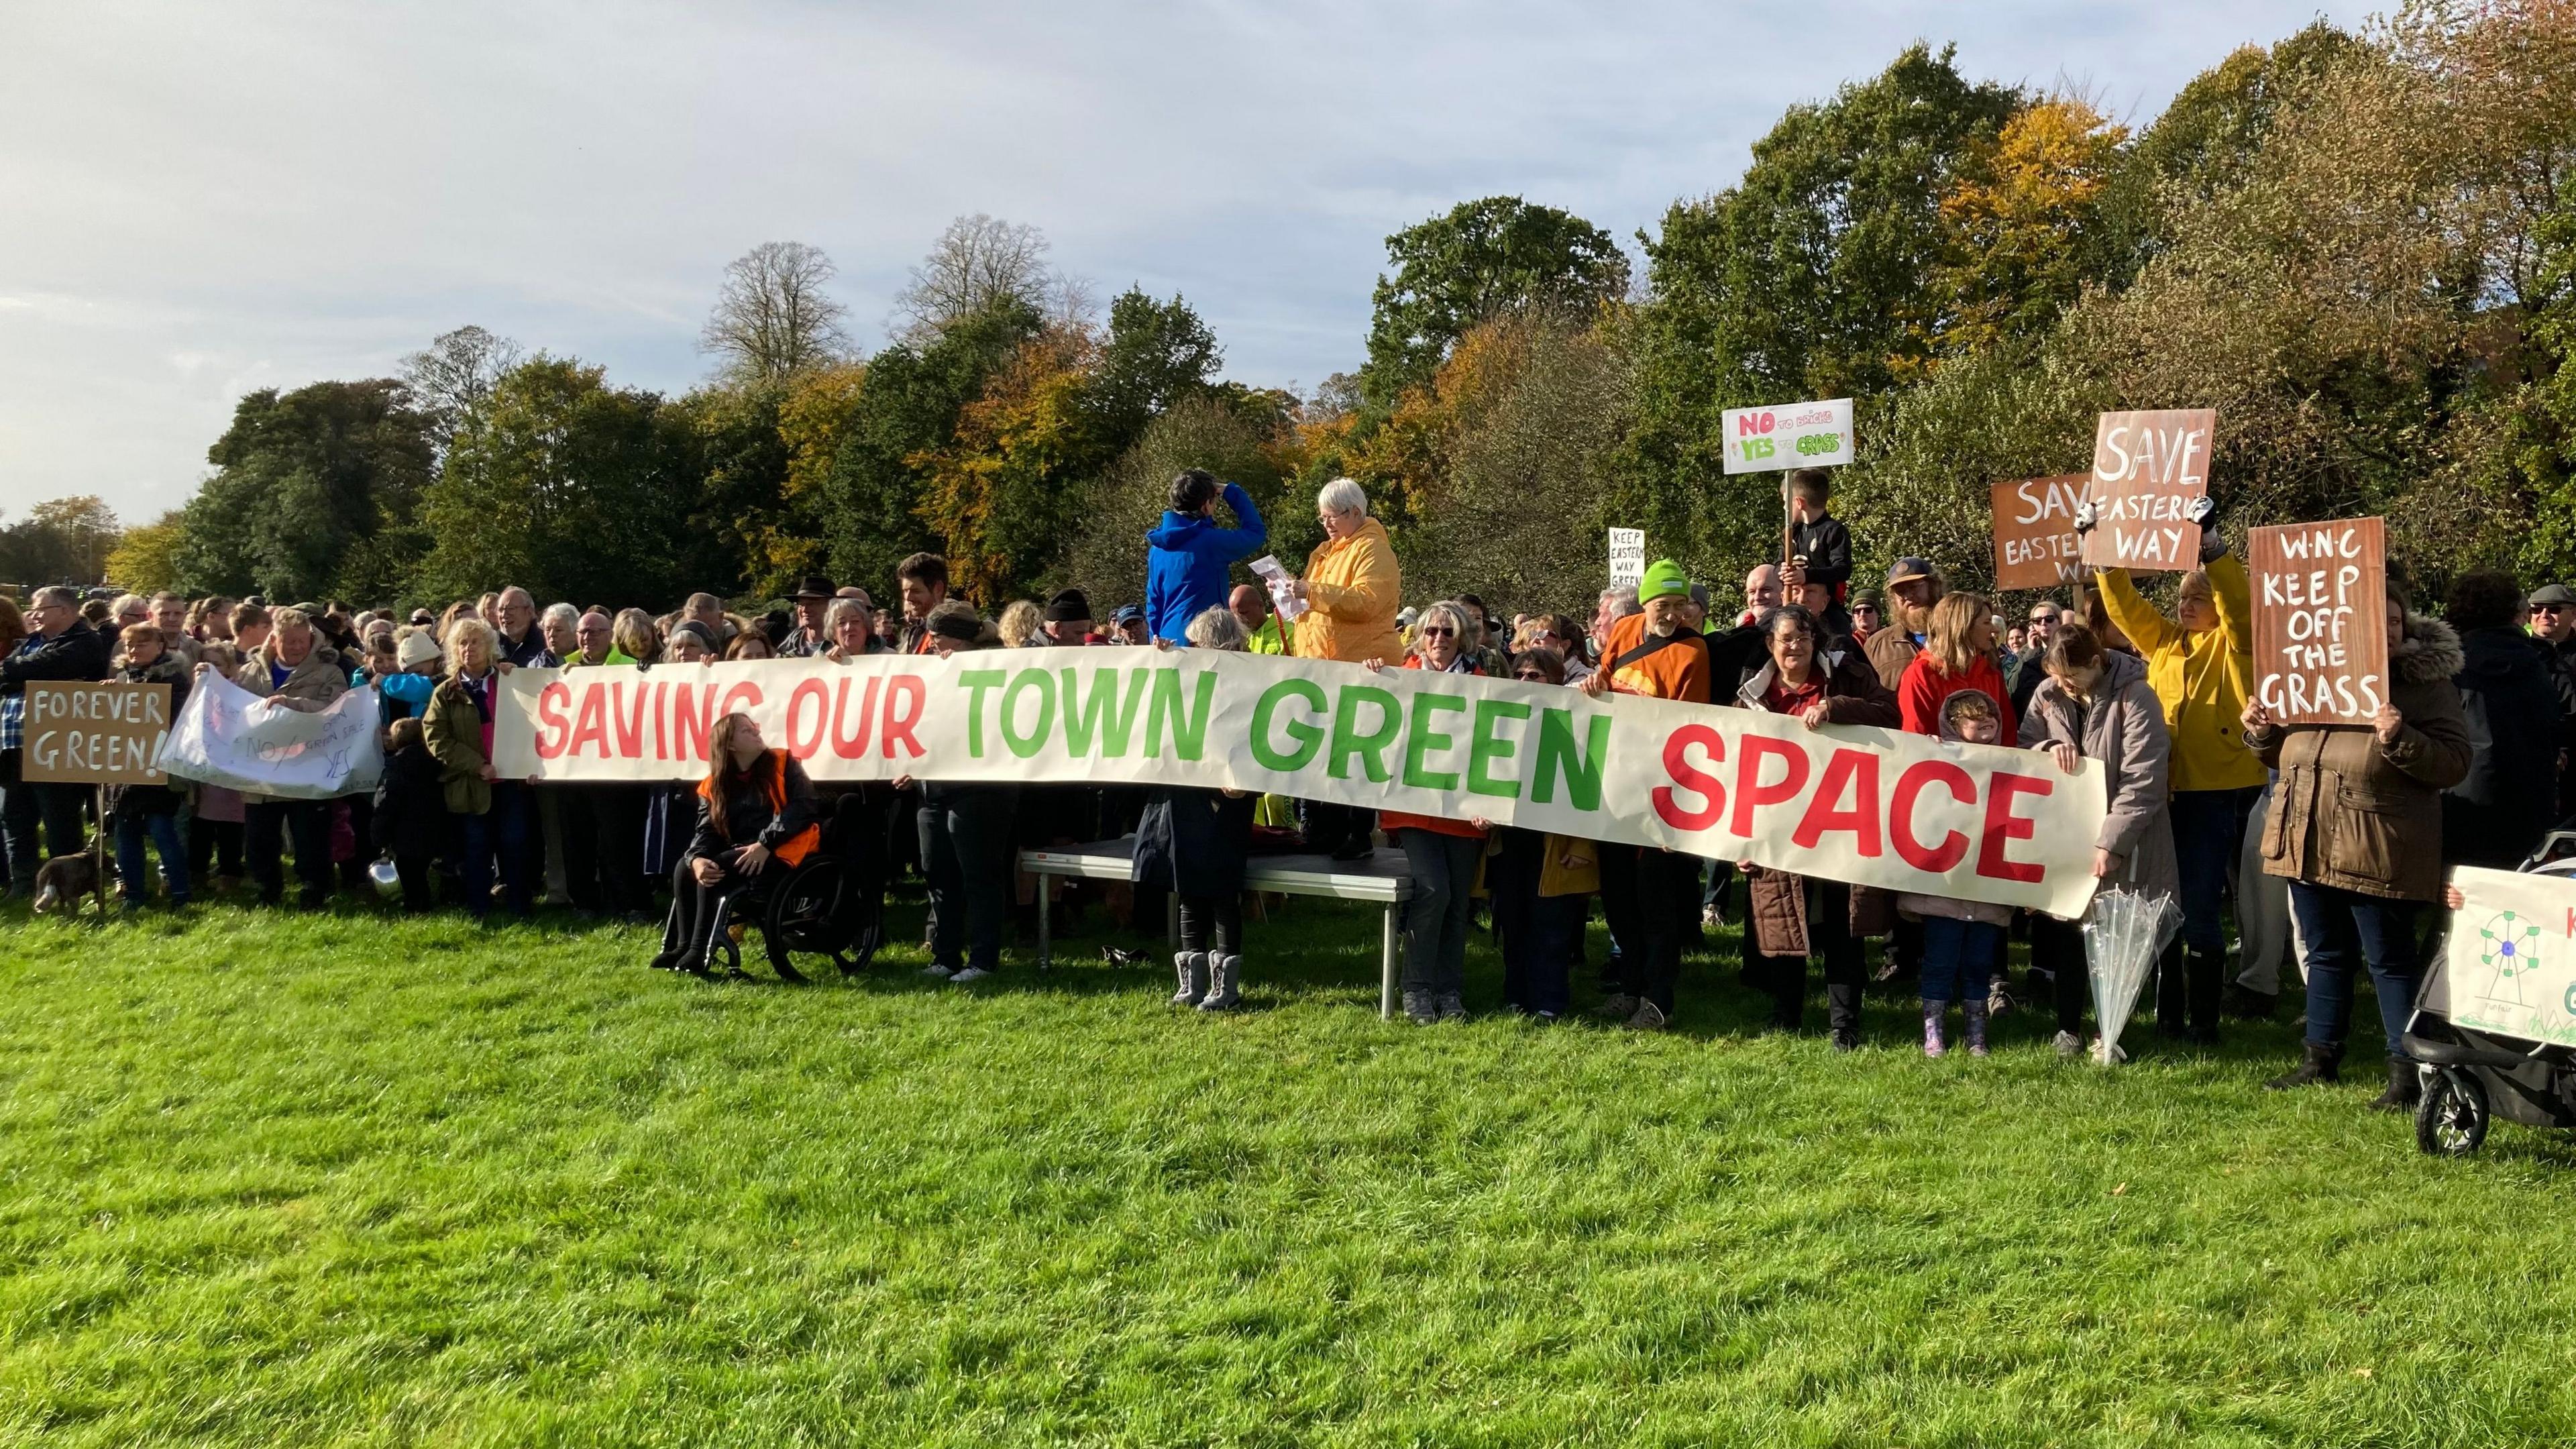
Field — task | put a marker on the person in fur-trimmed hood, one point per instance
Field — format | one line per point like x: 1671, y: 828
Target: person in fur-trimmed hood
x: 2356, y: 827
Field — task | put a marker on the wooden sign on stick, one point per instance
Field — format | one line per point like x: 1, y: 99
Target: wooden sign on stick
x: 2036, y: 545
x: 95, y: 734
x: 2147, y: 469
x: 2320, y: 620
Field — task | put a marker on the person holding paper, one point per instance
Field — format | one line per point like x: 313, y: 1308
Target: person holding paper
x: 291, y: 669
x: 1351, y: 592
x: 2200, y: 663
x: 2356, y: 828
x: 1187, y: 565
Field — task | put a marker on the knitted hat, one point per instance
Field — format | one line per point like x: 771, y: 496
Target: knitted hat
x: 415, y: 650
x: 1664, y: 579
x: 1069, y: 607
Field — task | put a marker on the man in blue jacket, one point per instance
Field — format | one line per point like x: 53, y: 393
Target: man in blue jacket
x: 1186, y: 573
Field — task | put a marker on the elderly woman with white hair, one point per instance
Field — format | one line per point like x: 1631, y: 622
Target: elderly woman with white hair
x: 1351, y: 590
x: 1441, y: 852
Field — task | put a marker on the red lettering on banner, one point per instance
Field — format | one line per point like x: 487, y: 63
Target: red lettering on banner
x: 807, y: 688
x: 1749, y: 789
x: 692, y: 720
x: 852, y: 744
x: 661, y: 735
x: 629, y: 722
x: 1918, y: 777
x: 590, y: 727
x: 2003, y: 826
x: 550, y: 720
x: 743, y: 696
x: 1699, y: 782
x: 1856, y: 770
x: 903, y: 688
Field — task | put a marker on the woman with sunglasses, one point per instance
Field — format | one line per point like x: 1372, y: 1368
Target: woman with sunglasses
x: 1442, y: 853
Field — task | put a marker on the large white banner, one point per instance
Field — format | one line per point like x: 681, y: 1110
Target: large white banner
x: 225, y: 735
x: 2510, y: 964
x: 1875, y: 807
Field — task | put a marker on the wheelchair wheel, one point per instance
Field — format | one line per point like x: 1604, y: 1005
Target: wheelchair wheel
x: 2451, y: 1119
x: 810, y: 912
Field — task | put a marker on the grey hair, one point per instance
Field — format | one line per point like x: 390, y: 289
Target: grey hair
x: 565, y: 612
x: 845, y: 608
x: 1217, y: 628
x: 503, y: 597
x: 1342, y: 496
x: 53, y: 596
x: 125, y: 601
x: 1623, y: 601
x: 1456, y: 614
x: 464, y: 631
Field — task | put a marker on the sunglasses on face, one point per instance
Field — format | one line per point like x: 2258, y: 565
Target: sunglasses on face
x: 1869, y: 609
x: 1437, y: 631
x: 1531, y: 677
x: 2549, y: 608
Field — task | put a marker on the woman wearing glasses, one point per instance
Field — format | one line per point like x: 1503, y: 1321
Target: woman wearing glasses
x: 1442, y: 853
x: 1351, y: 591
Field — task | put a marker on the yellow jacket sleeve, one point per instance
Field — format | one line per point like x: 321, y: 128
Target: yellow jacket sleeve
x: 2137, y: 618
x: 2235, y: 602
x: 1369, y: 592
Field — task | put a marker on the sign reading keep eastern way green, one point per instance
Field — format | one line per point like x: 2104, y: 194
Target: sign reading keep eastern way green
x: 1871, y: 806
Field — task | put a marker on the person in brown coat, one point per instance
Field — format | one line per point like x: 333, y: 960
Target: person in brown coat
x: 2356, y: 827
x: 1819, y: 689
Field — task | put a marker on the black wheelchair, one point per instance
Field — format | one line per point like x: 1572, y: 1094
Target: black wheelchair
x: 829, y: 904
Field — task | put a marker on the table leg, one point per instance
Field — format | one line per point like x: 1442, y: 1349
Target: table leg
x: 1386, y: 970
x: 1046, y: 957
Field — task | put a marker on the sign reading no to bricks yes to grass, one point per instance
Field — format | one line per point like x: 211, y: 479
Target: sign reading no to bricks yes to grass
x: 1791, y: 435
x: 107, y: 733
x: 2320, y: 619
x: 2147, y: 469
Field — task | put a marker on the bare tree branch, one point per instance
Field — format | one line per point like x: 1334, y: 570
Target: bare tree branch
x: 773, y: 319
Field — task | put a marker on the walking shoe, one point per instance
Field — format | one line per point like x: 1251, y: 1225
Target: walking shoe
x: 2247, y: 1004
x: 1453, y: 1007
x: 1543, y: 1018
x: 1933, y: 1045
x: 1618, y: 1007
x: 1975, y: 1011
x: 2404, y: 1090
x: 2068, y: 1044
x: 1192, y: 969
x: 937, y: 972
x: 1846, y: 1039
x: 1649, y: 1017
x: 1225, y: 975
x: 1419, y: 1009
x: 1121, y: 956
x: 2316, y: 1064
x: 969, y: 976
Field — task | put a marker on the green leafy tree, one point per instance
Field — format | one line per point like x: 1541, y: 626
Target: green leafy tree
x: 61, y: 540
x: 1157, y: 354
x: 314, y: 494
x: 1481, y: 259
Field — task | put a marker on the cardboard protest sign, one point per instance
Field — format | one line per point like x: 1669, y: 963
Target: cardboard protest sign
x: 1792, y: 435
x: 228, y: 736
x: 2036, y: 545
x: 2320, y: 620
x: 1627, y: 557
x: 1877, y: 807
x: 2147, y: 468
x: 2510, y: 964
x: 108, y: 733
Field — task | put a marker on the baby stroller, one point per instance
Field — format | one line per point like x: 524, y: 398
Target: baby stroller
x: 2471, y: 1075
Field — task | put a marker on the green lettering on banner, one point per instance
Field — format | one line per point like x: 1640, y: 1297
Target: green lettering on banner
x: 1485, y: 747
x: 1557, y: 759
x: 1421, y: 739
x: 975, y: 682
x: 1101, y: 716
x: 1035, y: 740
x: 1189, y: 732
x: 1348, y: 739
x: 1309, y: 737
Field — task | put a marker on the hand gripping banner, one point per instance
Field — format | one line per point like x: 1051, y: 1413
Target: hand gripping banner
x: 1869, y: 806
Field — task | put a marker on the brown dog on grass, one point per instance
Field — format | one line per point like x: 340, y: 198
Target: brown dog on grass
x: 66, y: 878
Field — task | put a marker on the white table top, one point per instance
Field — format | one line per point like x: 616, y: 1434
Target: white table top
x: 1382, y: 877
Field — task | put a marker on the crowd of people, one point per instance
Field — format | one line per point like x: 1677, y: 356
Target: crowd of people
x: 2321, y: 844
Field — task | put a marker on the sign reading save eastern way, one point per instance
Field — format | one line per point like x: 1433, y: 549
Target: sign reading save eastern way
x: 1872, y: 806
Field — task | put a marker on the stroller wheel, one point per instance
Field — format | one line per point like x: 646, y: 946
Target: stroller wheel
x: 2451, y: 1118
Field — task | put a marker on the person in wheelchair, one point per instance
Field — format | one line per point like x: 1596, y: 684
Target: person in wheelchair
x: 756, y: 820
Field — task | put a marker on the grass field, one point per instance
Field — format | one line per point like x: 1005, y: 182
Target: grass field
x: 286, y: 1180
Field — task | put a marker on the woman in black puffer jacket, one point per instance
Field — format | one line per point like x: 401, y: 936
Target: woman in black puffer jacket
x: 2495, y: 816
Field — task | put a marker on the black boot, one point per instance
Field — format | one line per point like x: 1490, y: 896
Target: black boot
x: 2316, y: 1064
x: 2205, y: 980
x: 1842, y: 1007
x: 2247, y: 1004
x: 2403, y: 1088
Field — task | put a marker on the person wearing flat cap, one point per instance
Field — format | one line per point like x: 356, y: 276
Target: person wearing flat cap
x: 1067, y: 619
x: 2553, y: 633
x: 810, y: 635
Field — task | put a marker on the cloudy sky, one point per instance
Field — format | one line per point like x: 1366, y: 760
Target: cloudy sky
x: 197, y: 200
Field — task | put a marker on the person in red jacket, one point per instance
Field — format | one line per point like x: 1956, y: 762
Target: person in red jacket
x: 1958, y: 653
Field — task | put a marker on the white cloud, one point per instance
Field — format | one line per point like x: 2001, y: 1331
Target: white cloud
x: 206, y: 198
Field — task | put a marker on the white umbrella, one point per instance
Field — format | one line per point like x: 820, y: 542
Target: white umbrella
x: 2124, y: 933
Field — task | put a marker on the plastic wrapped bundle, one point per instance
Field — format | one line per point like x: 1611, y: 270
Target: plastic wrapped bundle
x: 2124, y: 933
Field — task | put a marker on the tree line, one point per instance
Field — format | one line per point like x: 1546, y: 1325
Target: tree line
x: 2359, y: 247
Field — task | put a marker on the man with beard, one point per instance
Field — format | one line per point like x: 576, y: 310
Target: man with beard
x: 1913, y: 587
x: 1646, y: 891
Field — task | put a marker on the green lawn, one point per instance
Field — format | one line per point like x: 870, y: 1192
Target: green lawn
x: 280, y: 1180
